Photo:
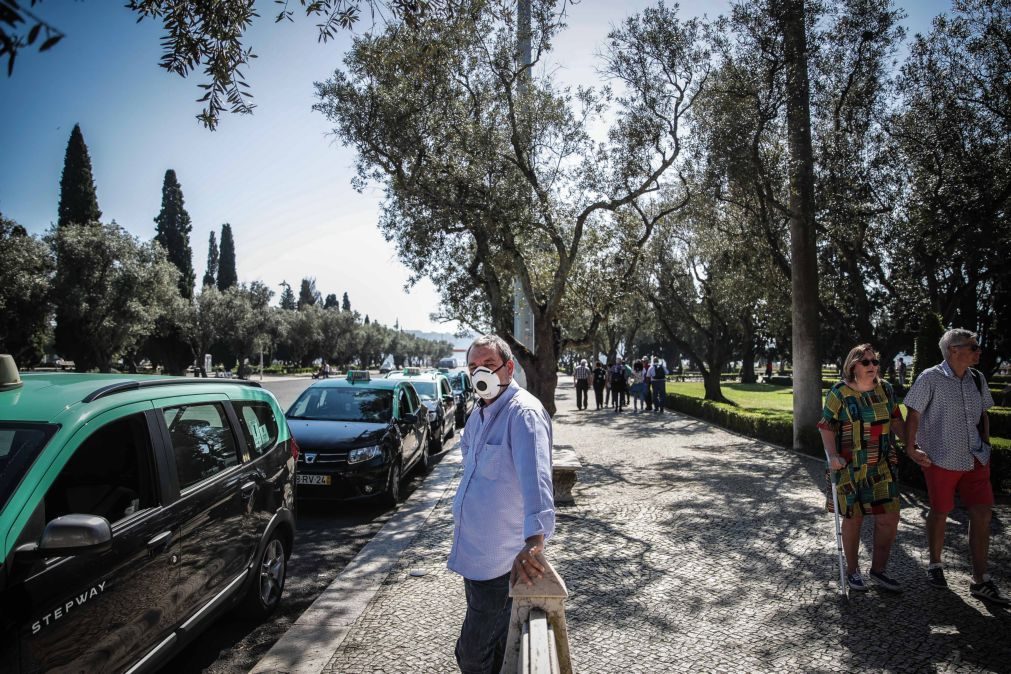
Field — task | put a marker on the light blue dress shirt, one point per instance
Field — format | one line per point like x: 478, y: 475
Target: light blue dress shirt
x: 505, y: 495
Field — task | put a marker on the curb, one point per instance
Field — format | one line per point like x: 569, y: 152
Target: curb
x: 310, y: 643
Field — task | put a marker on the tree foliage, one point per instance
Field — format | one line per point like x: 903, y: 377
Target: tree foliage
x: 108, y: 292
x: 78, y: 199
x: 228, y: 276
x: 491, y: 175
x: 173, y: 232
x: 26, y: 269
x: 211, y: 273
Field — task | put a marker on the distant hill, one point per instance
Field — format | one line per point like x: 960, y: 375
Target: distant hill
x: 459, y: 343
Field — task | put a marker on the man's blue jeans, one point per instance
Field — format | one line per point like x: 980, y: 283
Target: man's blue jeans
x: 481, y: 645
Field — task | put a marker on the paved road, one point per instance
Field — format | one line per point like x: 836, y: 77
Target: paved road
x: 328, y: 537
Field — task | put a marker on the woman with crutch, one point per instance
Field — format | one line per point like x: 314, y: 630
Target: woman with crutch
x: 858, y: 425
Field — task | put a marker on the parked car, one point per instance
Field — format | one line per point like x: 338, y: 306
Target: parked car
x: 359, y: 436
x: 134, y: 511
x: 437, y: 395
x: 463, y: 391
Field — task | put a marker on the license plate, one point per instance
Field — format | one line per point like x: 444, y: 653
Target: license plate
x: 312, y: 479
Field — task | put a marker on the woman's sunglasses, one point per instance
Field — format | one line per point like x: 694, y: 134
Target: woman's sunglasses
x: 869, y: 361
x: 971, y: 347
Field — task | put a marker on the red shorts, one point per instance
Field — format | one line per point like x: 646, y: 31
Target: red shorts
x: 973, y: 486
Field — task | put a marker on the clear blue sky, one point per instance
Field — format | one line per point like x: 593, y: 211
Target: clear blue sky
x: 277, y: 176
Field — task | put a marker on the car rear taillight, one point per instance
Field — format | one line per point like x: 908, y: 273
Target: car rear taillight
x: 294, y: 448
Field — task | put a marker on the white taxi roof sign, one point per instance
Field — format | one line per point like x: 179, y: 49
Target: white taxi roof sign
x: 412, y: 371
x: 359, y: 375
x: 10, y: 378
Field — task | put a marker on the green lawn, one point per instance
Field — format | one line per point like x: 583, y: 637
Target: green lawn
x: 750, y: 396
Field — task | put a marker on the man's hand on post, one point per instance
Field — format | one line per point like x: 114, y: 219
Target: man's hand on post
x: 527, y: 567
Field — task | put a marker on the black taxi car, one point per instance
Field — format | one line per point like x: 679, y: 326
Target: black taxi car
x: 358, y: 437
x: 134, y: 511
x: 437, y: 395
x: 463, y: 391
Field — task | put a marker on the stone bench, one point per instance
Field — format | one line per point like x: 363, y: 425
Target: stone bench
x: 564, y: 464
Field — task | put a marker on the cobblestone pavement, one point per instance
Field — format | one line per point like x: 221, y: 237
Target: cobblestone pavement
x: 694, y: 549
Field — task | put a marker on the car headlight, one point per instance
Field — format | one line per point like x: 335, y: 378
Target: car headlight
x: 432, y: 416
x: 364, y: 453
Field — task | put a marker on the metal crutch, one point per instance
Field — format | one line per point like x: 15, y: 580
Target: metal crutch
x: 843, y: 585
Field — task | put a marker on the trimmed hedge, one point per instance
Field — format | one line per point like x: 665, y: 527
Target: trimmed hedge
x: 778, y: 430
x: 1000, y: 421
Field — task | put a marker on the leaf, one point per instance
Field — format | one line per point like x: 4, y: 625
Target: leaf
x: 50, y: 42
x: 33, y: 34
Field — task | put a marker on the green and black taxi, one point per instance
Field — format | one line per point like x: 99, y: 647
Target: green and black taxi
x: 358, y: 437
x: 134, y: 511
x: 437, y: 396
x: 463, y: 392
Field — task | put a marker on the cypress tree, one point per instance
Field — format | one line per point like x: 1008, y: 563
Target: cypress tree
x: 211, y: 274
x: 331, y: 302
x: 366, y: 319
x: 288, y: 302
x: 925, y: 350
x: 173, y: 232
x: 307, y: 293
x: 346, y: 303
x: 78, y: 200
x: 227, y: 276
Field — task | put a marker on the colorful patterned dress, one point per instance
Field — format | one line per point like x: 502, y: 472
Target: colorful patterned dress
x: 861, y: 421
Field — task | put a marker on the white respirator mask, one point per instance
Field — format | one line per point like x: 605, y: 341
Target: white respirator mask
x: 486, y: 384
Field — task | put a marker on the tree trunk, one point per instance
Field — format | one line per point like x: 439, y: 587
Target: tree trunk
x: 541, y: 366
x: 748, y: 357
x: 711, y: 381
x: 806, y: 368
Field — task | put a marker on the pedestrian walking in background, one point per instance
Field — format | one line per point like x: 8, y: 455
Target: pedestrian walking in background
x: 902, y: 372
x: 599, y: 382
x: 581, y: 378
x: 658, y: 377
x: 950, y: 429
x: 619, y: 384
x: 638, y: 387
x: 859, y: 421
x: 648, y: 383
x: 504, y: 509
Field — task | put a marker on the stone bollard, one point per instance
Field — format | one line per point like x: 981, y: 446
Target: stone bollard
x: 546, y: 595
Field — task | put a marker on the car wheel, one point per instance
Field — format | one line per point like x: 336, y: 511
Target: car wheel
x: 264, y: 593
x: 392, y: 495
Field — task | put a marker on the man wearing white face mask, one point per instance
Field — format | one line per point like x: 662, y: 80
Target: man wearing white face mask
x: 504, y: 507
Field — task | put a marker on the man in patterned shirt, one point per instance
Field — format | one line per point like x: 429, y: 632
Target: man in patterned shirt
x: 947, y: 418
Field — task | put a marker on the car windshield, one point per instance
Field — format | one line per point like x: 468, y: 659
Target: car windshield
x: 344, y: 404
x: 20, y: 443
x: 426, y: 389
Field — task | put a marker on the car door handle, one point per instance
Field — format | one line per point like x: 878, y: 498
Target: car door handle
x: 158, y: 544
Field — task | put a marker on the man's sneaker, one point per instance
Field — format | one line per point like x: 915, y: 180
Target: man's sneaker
x: 856, y: 582
x: 988, y: 591
x: 885, y: 582
x: 935, y: 576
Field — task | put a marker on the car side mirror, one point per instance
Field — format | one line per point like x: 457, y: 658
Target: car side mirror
x: 70, y: 535
x: 448, y: 398
x: 409, y: 417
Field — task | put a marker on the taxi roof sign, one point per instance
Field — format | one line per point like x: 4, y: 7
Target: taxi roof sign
x: 412, y: 371
x: 359, y: 375
x: 10, y: 378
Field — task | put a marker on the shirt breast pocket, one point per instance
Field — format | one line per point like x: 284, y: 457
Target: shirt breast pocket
x: 489, y: 461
